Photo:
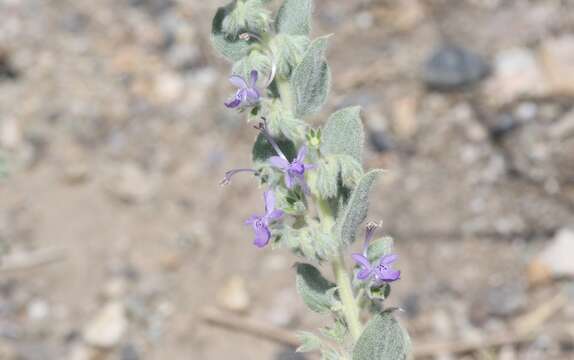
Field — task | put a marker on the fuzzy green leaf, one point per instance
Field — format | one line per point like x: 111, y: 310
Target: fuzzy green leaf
x: 256, y: 60
x: 294, y: 17
x: 380, y: 247
x: 337, y: 332
x: 288, y: 51
x: 356, y: 209
x: 233, y: 49
x: 309, y: 341
x: 351, y: 170
x: 384, y: 338
x: 249, y: 16
x: 313, y: 288
x: 311, y: 79
x: 327, y: 174
x: 344, y: 134
x: 282, y: 122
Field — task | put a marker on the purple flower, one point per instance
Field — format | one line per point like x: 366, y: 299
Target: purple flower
x: 247, y: 94
x: 260, y: 224
x: 381, y: 272
x: 294, y: 170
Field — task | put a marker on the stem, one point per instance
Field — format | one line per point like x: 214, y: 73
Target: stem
x: 350, y: 307
x: 285, y: 93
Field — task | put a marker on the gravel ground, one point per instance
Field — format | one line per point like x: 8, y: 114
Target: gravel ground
x: 114, y: 234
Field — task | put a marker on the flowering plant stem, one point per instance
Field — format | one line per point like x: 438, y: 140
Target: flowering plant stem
x: 349, y: 303
x: 350, y: 307
x: 317, y: 192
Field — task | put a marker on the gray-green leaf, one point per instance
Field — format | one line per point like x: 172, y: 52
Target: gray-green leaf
x: 383, y: 339
x: 313, y: 288
x: 356, y: 209
x: 288, y: 51
x: 282, y: 122
x: 380, y: 247
x: 256, y: 60
x: 309, y: 341
x: 233, y: 49
x: 294, y: 17
x: 311, y: 79
x: 344, y: 134
x: 249, y: 16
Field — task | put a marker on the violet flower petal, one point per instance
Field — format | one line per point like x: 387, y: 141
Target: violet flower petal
x: 274, y: 215
x: 251, y: 95
x: 361, y: 260
x: 301, y: 154
x: 388, y: 259
x: 233, y: 103
x: 238, y: 81
x: 279, y: 162
x: 252, y: 219
x: 262, y: 236
x: 253, y: 77
x: 269, y: 201
x: 389, y: 275
x: 289, y: 180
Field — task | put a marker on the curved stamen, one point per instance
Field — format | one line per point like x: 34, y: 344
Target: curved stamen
x: 229, y: 174
x: 262, y: 126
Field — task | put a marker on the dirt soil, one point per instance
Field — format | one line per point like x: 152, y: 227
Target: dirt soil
x: 114, y: 233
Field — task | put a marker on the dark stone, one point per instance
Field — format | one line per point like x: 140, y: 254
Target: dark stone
x: 153, y: 7
x: 381, y: 141
x: 289, y: 354
x: 7, y: 69
x: 129, y: 352
x: 504, y: 125
x: 452, y: 68
x: 411, y: 305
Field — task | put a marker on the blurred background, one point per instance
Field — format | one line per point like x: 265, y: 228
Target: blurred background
x: 115, y: 236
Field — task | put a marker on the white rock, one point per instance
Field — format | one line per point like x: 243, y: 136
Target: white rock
x: 564, y: 127
x: 233, y: 295
x: 557, y: 57
x: 10, y: 133
x: 108, y: 327
x: 131, y: 184
x: 38, y: 310
x: 557, y: 257
x: 169, y: 87
x: 516, y: 73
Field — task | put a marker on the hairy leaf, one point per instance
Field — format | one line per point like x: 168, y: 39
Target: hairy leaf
x: 256, y: 60
x: 309, y: 341
x: 327, y: 174
x: 384, y: 338
x: 351, y: 170
x: 344, y: 134
x: 294, y: 17
x: 282, y: 122
x: 313, y: 288
x: 288, y: 51
x: 337, y: 332
x: 311, y: 79
x: 249, y: 16
x: 356, y: 209
x: 233, y: 49
x: 380, y: 247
